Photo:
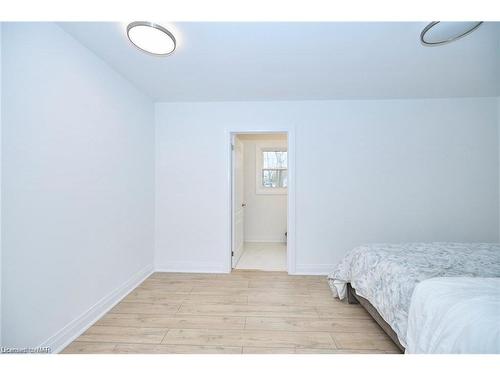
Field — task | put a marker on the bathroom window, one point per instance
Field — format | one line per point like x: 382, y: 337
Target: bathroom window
x: 274, y: 169
x: 271, y: 168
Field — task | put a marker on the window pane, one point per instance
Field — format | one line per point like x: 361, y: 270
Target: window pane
x: 268, y: 178
x: 274, y: 178
x: 274, y: 159
x: 284, y: 178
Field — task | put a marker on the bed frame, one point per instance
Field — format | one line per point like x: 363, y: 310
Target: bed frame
x: 353, y: 298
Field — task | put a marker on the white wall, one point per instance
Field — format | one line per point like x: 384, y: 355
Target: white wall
x: 265, y: 214
x: 1, y: 183
x: 498, y: 129
x: 78, y: 184
x: 366, y: 171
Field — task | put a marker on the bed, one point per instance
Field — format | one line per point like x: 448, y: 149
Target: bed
x: 382, y: 277
x: 455, y: 315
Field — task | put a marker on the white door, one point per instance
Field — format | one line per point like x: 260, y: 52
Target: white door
x: 238, y: 201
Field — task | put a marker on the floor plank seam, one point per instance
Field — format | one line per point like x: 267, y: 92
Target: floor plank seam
x: 245, y: 328
x: 335, y: 344
x: 164, y: 336
x: 117, y: 342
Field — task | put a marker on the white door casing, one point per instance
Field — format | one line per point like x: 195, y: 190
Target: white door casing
x: 238, y: 201
x: 288, y: 129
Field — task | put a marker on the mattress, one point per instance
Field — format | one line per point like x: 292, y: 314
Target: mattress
x: 386, y: 274
x: 455, y: 316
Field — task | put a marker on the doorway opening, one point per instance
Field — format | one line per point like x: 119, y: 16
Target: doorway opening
x: 260, y: 181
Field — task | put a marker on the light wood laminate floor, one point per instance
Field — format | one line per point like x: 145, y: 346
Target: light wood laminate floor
x: 242, y: 312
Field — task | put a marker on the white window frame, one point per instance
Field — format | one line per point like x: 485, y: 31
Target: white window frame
x: 261, y: 147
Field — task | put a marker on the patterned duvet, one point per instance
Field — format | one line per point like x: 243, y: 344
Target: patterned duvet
x: 386, y: 274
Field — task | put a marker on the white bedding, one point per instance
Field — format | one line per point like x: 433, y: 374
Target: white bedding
x: 455, y: 315
x: 386, y: 274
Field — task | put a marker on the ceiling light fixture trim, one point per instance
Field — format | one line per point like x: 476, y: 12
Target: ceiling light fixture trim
x: 155, y: 26
x: 447, y: 40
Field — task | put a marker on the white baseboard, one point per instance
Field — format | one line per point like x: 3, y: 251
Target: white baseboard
x: 212, y: 267
x: 75, y: 328
x: 192, y: 267
x: 314, y: 269
x: 266, y: 241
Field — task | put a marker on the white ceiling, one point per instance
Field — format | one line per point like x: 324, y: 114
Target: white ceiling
x: 296, y: 61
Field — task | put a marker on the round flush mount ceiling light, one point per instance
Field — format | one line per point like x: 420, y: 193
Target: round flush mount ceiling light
x: 438, y: 33
x: 151, y: 38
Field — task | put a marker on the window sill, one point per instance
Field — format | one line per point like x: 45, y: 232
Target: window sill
x: 271, y: 191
